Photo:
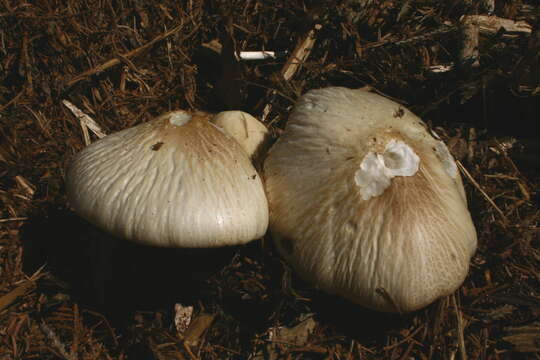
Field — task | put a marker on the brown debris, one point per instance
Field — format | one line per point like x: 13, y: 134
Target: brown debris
x: 86, y: 123
x: 466, y: 173
x: 524, y: 338
x: 493, y: 24
x: 194, y: 333
x: 469, y: 55
x: 21, y: 290
x: 300, y: 53
x: 119, y: 64
x: 124, y: 57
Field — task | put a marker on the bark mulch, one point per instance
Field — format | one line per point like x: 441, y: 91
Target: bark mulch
x: 124, y: 62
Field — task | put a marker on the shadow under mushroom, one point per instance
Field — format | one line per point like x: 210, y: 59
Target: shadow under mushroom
x: 114, y: 276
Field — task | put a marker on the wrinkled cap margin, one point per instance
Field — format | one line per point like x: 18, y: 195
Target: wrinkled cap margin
x: 174, y: 181
x: 366, y: 204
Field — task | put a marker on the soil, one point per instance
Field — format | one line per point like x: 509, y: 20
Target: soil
x: 69, y: 291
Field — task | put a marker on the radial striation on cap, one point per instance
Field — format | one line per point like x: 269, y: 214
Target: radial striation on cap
x: 366, y: 204
x: 174, y: 181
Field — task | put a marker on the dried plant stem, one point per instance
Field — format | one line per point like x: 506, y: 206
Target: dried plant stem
x: 406, y: 339
x: 300, y: 54
x: 55, y: 341
x: 493, y: 24
x: 9, y: 298
x: 28, y: 188
x: 86, y: 123
x: 113, y: 62
x: 468, y: 175
x: 197, y: 328
x: 13, y: 100
x: 13, y: 219
x: 296, y: 60
x: 460, y: 329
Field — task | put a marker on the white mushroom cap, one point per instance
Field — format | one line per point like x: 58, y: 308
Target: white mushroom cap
x: 366, y: 204
x: 176, y: 181
x: 249, y: 132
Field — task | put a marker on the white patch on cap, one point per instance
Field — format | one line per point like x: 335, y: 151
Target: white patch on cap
x: 179, y: 118
x: 447, y: 160
x: 376, y: 170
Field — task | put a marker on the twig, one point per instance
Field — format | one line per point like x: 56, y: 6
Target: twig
x: 197, y: 328
x: 300, y: 54
x: 28, y: 188
x: 190, y: 353
x: 407, y: 338
x: 225, y: 349
x: 27, y: 67
x: 86, y: 122
x: 14, y: 99
x: 408, y: 351
x: 39, y: 118
x: 469, y: 54
x: 113, y: 62
x: 55, y: 341
x: 76, y: 331
x: 465, y: 172
x: 493, y: 24
x: 471, y: 27
x: 460, y: 329
x: 104, y: 320
x: 413, y: 39
x: 13, y: 219
x: 37, y: 274
x: 471, y: 144
x: 295, y: 61
x: 9, y: 298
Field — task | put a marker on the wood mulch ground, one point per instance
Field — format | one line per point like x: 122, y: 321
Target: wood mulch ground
x: 123, y: 62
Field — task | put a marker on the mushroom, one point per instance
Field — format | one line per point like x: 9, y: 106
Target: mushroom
x: 176, y: 181
x: 249, y: 132
x: 366, y: 204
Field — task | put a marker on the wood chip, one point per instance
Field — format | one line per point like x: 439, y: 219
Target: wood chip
x: 469, y: 55
x: 297, y: 335
x: 9, y: 298
x: 493, y: 24
x: 300, y: 53
x: 524, y: 338
x: 197, y: 328
x: 28, y: 188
